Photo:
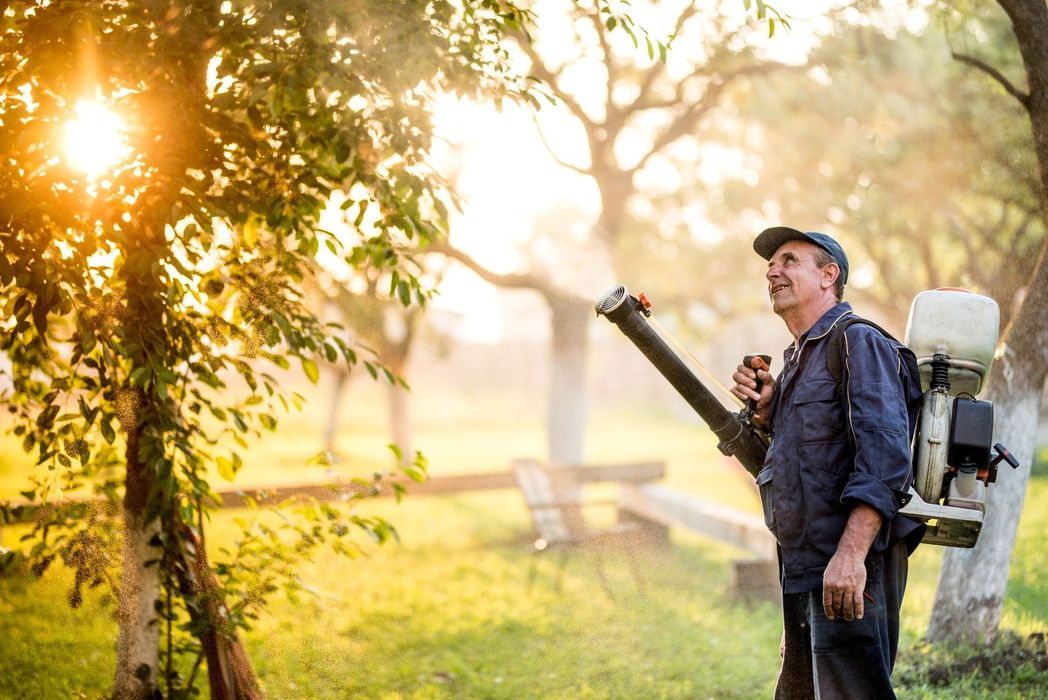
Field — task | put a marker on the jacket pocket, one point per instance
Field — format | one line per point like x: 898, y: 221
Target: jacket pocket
x: 820, y: 410
x: 825, y: 465
x: 764, y: 485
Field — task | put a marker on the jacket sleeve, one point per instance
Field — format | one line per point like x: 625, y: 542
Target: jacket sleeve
x: 877, y: 420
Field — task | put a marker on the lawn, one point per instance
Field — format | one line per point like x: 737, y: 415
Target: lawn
x: 449, y: 612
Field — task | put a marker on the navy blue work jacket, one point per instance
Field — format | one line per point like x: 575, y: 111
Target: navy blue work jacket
x: 835, y: 444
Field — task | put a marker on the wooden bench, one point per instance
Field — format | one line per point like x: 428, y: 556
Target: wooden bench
x: 555, y: 502
x: 756, y: 577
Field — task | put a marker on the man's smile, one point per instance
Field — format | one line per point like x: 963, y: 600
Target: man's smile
x: 777, y: 288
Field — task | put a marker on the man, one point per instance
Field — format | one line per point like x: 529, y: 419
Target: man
x: 837, y: 471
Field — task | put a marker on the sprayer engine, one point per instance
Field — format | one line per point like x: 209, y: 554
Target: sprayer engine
x: 953, y: 332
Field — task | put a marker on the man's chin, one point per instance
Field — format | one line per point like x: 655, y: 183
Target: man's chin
x: 780, y: 306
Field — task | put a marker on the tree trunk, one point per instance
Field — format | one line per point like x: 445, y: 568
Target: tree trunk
x: 138, y: 637
x: 400, y: 421
x: 972, y: 584
x: 230, y: 675
x: 567, y: 392
x: 337, y: 388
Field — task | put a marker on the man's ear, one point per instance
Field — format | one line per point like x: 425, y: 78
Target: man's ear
x: 830, y: 272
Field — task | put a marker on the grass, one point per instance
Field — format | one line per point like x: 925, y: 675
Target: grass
x: 449, y: 612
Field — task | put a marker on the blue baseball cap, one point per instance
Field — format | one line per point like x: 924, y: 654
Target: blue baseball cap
x: 770, y: 239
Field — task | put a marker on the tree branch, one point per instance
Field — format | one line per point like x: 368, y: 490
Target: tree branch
x: 1024, y: 98
x: 513, y: 281
x: 549, y: 76
x: 642, y: 101
x: 694, y: 111
x: 609, y: 62
x: 563, y: 163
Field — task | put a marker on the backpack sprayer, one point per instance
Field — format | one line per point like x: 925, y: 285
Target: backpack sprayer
x: 953, y: 334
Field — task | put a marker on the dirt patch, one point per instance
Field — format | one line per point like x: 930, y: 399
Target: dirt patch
x: 1010, y: 657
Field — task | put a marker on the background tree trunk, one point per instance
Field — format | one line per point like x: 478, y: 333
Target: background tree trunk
x: 338, y: 387
x: 566, y: 421
x: 400, y: 415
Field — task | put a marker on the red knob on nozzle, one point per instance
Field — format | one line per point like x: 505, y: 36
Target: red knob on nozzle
x: 644, y: 300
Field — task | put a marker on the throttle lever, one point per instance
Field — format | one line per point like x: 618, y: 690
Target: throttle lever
x: 755, y: 362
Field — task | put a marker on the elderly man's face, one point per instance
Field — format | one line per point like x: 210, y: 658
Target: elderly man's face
x: 794, y: 280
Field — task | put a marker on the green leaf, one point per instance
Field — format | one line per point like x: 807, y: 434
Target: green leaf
x: 108, y: 434
x: 226, y: 469
x: 138, y: 376
x: 323, y: 458
x: 47, y: 417
x: 311, y: 369
x: 414, y: 473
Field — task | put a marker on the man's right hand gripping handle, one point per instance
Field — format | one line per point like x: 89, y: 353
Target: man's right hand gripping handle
x: 754, y: 384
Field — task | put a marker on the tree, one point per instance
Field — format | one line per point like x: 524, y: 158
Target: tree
x: 972, y: 582
x: 388, y: 327
x: 131, y: 296
x: 639, y: 112
x: 884, y: 143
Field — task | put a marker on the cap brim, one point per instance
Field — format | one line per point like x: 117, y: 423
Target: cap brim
x: 769, y: 240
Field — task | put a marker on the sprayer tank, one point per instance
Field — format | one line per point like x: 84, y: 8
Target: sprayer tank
x: 959, y: 324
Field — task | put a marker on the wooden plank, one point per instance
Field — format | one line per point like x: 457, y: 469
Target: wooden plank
x: 635, y: 473
x: 21, y: 511
x: 434, y: 486
x: 663, y: 505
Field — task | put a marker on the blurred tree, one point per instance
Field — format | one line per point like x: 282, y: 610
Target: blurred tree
x: 630, y: 120
x: 133, y: 293
x: 972, y: 583
x: 883, y: 143
x: 385, y: 326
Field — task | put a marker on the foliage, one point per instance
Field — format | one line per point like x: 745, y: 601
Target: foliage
x: 888, y: 141
x: 143, y: 304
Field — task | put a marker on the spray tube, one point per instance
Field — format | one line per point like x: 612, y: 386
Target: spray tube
x: 737, y: 436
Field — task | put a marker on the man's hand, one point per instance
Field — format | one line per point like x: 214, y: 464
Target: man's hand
x: 746, y: 388
x: 844, y: 580
x: 842, y: 585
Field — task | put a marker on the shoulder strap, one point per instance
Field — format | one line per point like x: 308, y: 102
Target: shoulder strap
x: 835, y: 345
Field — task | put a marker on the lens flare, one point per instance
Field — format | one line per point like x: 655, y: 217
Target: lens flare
x: 95, y: 140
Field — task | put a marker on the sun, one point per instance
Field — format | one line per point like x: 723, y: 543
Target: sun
x: 95, y: 140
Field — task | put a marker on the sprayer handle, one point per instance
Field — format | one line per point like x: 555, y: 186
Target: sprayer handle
x: 1004, y: 454
x: 755, y: 362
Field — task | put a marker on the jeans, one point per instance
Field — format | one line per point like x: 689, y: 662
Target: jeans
x: 831, y: 659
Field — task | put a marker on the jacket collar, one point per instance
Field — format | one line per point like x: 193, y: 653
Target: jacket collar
x: 823, y: 326
x: 828, y: 321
